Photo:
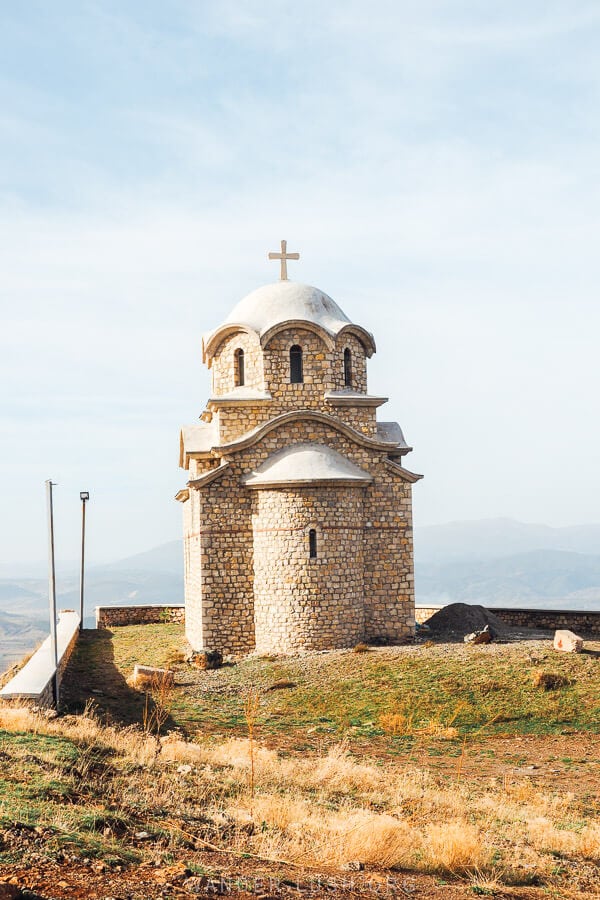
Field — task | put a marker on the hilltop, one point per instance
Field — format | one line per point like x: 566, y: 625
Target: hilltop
x: 493, y: 562
x: 434, y: 770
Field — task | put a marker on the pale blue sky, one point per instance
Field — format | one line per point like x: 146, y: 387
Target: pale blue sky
x: 436, y: 165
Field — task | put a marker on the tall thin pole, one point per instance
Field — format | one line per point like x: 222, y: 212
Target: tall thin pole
x: 52, y: 587
x: 81, y: 577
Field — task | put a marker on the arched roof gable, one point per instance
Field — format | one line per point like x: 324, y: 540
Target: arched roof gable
x: 304, y: 415
x: 300, y: 325
x: 364, y: 336
x: 212, y: 342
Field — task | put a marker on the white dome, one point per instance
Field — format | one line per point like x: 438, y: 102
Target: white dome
x: 305, y: 464
x: 285, y: 300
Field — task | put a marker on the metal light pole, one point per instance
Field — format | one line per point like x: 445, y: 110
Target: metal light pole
x: 84, y: 496
x: 52, y: 587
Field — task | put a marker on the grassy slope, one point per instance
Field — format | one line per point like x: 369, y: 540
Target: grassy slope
x: 91, y: 788
x: 347, y: 694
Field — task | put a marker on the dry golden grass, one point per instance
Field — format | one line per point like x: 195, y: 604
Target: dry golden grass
x: 318, y: 810
x: 85, y: 730
x: 403, y: 724
x: 456, y: 846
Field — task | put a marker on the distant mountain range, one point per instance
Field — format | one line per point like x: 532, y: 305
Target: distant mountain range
x: 502, y: 562
x: 492, y: 538
x: 18, y: 636
x: 494, y: 562
x: 551, y: 578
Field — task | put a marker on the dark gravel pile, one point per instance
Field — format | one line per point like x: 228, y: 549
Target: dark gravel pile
x: 458, y: 619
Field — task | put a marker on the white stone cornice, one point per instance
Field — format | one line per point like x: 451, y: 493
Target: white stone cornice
x: 353, y: 398
x: 240, y: 396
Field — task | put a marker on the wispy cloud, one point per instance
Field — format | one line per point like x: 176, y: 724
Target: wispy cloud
x: 437, y: 167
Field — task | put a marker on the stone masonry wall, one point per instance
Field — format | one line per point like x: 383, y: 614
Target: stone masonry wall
x: 389, y: 565
x: 114, y: 616
x: 580, y: 621
x: 323, y: 371
x: 302, y: 602
x: 224, y: 368
x: 220, y: 600
x: 226, y: 521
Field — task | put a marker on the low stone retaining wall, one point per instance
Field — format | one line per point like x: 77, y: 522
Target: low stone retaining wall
x: 577, y: 620
x: 422, y: 613
x: 35, y: 681
x: 151, y: 614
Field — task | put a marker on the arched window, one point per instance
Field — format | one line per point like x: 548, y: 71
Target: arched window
x: 348, y: 367
x: 312, y: 543
x: 240, y: 374
x: 296, y: 376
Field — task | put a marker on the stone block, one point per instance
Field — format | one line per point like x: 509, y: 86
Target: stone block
x: 149, y: 677
x: 567, y: 641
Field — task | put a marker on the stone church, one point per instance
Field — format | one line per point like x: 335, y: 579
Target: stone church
x: 297, y: 512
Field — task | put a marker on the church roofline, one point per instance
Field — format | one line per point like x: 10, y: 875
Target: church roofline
x: 240, y: 396
x: 353, y: 398
x: 212, y: 341
x: 260, y: 431
x: 364, y: 336
x: 201, y: 437
x: 276, y: 307
x: 307, y: 482
x: 306, y: 463
x: 405, y: 474
x: 327, y: 336
x: 209, y: 476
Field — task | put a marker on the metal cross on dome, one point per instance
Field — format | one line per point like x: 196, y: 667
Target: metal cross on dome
x: 284, y: 256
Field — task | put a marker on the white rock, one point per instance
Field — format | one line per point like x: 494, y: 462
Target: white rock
x: 568, y: 641
x: 147, y: 675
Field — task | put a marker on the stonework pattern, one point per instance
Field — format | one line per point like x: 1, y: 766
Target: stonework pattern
x: 251, y: 582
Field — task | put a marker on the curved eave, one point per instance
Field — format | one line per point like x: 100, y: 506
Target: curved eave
x: 208, y: 477
x: 308, y: 482
x: 307, y: 415
x: 403, y: 473
x: 330, y: 338
x: 326, y: 336
x: 364, y: 336
x: 212, y: 341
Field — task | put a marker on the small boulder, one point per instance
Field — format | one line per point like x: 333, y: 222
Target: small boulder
x: 206, y: 659
x: 147, y: 676
x: 479, y: 637
x: 568, y: 641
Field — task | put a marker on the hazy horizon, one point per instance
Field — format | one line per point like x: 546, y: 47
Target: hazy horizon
x: 71, y: 565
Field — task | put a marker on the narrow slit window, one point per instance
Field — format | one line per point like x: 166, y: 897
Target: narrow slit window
x: 240, y: 374
x: 348, y: 367
x: 312, y: 543
x: 296, y: 374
